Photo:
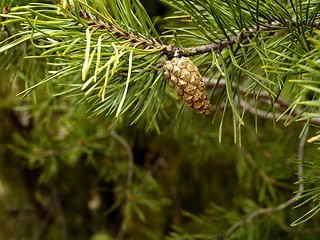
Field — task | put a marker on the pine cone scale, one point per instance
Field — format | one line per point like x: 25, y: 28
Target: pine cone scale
x: 185, y: 78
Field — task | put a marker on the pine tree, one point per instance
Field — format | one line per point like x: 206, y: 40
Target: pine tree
x: 204, y: 126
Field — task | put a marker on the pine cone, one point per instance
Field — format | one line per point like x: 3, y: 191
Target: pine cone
x: 185, y: 78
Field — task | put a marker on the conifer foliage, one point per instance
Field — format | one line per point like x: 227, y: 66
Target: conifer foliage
x: 162, y: 129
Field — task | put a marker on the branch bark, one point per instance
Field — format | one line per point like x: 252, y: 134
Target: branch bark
x: 280, y: 104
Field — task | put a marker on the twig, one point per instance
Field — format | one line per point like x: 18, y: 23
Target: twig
x: 281, y: 104
x: 47, y: 218
x: 160, y: 162
x: 302, y: 144
x: 227, y: 42
x: 261, y: 113
x: 137, y: 39
x: 230, y: 41
x: 254, y: 165
x: 128, y: 149
x: 130, y: 173
x: 282, y: 206
x: 58, y: 206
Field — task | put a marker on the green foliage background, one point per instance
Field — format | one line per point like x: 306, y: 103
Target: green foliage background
x: 64, y: 165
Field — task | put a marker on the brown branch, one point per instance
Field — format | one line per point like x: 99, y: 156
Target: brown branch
x: 264, y: 97
x: 262, y: 174
x: 137, y: 39
x: 261, y: 113
x: 282, y: 206
x: 59, y: 210
x: 129, y: 152
x: 227, y: 42
x: 130, y: 173
x: 46, y: 220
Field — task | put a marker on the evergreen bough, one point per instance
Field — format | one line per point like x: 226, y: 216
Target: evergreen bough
x: 256, y: 58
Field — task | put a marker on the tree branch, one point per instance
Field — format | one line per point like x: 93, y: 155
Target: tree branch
x: 130, y: 173
x: 227, y: 42
x: 282, y: 206
x: 136, y: 39
x: 128, y: 149
x: 262, y: 174
x: 264, y: 97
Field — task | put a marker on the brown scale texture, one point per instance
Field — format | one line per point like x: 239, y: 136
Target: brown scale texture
x: 185, y: 78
